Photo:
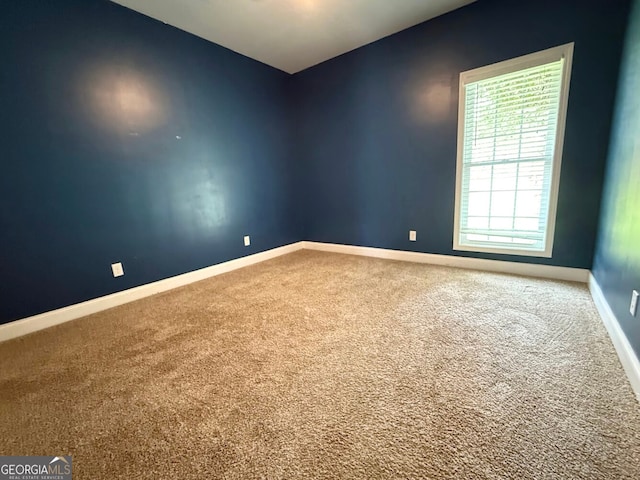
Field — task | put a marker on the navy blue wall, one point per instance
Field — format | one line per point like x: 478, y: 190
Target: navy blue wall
x: 378, y: 125
x: 617, y: 260
x: 92, y: 99
x: 124, y: 139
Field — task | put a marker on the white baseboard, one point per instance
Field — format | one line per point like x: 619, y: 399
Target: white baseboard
x: 627, y: 356
x: 528, y: 269
x: 72, y: 312
x: 62, y: 315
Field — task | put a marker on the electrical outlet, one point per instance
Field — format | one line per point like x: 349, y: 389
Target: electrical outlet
x: 247, y: 240
x: 412, y: 235
x: 117, y: 269
x: 633, y: 308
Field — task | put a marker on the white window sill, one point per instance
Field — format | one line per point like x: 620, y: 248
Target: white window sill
x: 503, y: 251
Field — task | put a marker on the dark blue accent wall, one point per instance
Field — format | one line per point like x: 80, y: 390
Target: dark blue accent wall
x: 378, y: 126
x: 124, y: 139
x: 617, y: 260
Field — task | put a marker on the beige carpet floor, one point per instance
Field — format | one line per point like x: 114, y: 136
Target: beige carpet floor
x: 317, y: 365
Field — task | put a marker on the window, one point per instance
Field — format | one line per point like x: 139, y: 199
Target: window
x: 510, y: 134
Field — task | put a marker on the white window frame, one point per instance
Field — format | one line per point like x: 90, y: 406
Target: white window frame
x: 509, y: 66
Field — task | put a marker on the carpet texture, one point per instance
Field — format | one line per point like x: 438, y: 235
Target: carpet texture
x: 317, y: 365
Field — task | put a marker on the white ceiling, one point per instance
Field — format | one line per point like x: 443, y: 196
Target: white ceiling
x: 292, y: 34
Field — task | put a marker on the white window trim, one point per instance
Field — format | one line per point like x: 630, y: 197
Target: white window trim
x: 501, y: 68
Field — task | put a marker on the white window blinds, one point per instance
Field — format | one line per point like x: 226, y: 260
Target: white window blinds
x: 506, y: 167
